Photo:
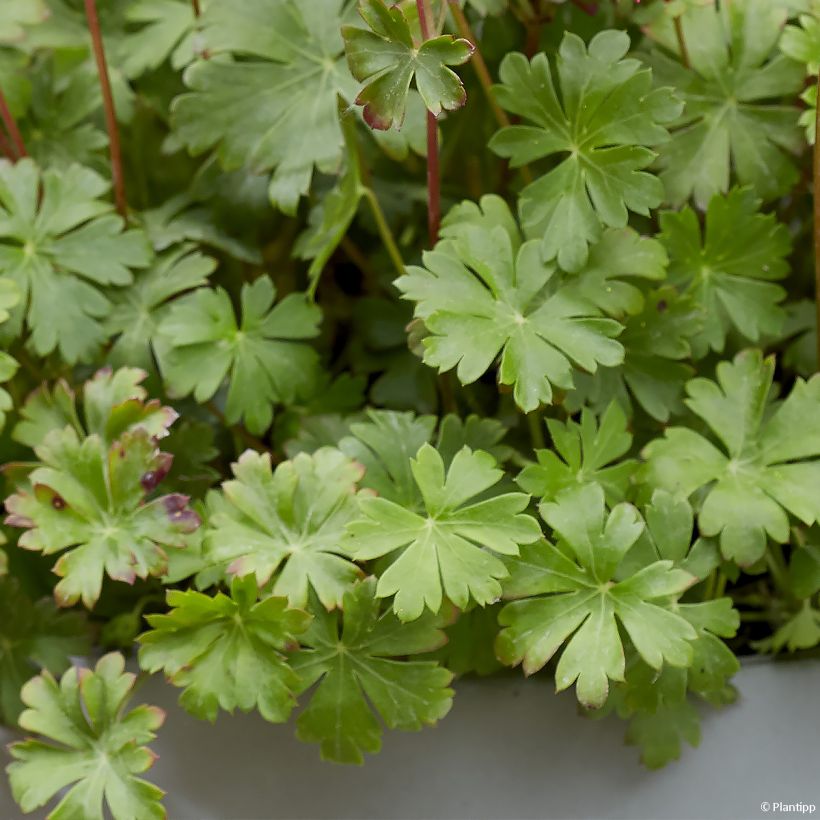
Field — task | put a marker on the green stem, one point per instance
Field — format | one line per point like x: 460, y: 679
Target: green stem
x: 777, y: 567
x: 535, y: 421
x: 115, y: 149
x: 384, y: 230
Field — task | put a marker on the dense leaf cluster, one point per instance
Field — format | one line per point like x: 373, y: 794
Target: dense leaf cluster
x: 264, y: 435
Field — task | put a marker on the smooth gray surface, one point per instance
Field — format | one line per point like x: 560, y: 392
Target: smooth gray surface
x: 509, y: 749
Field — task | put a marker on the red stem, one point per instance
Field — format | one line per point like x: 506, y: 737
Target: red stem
x: 11, y: 126
x: 108, y: 105
x: 433, y: 174
x: 6, y: 147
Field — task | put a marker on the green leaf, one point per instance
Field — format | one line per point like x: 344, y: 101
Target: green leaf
x: 276, y: 109
x: 802, y: 43
x: 60, y: 250
x: 804, y: 571
x: 166, y: 29
x: 329, y: 221
x: 451, y: 548
x: 470, y: 641
x: 264, y: 357
x: 114, y: 402
x: 138, y: 311
x: 33, y: 636
x: 606, y: 118
x: 88, y: 500
x: 652, y: 375
x: 89, y: 744
x: 357, y: 660
x: 801, y: 631
x: 761, y: 471
x: 288, y: 523
x: 569, y: 594
x: 387, y: 60
x: 583, y: 453
x: 384, y: 445
x: 17, y: 14
x: 729, y: 272
x: 734, y: 119
x: 618, y: 255
x: 226, y: 652
x: 482, y: 293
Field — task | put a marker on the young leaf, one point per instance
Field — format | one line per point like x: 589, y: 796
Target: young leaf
x: 483, y: 293
x: 761, y: 472
x: 89, y: 500
x: 734, y: 118
x: 61, y: 249
x: 357, y: 656
x: 114, y: 402
x: 33, y: 636
x: 583, y: 454
x: 448, y: 549
x: 570, y: 592
x: 276, y: 110
x: 200, y: 344
x: 289, y: 522
x: 729, y: 273
x: 226, y: 652
x: 89, y: 745
x: 606, y: 118
x: 387, y: 59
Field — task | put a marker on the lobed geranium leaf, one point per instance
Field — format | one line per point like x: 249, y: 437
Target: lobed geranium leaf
x: 583, y: 453
x: 288, y: 523
x: 227, y: 652
x: 277, y: 109
x: 386, y: 59
x: 605, y: 120
x: 61, y: 249
x: 90, y: 750
x: 138, y: 311
x: 571, y: 593
x: 357, y: 660
x: 730, y: 270
x: 761, y: 471
x: 448, y: 548
x: 734, y: 122
x: 200, y: 344
x: 482, y: 292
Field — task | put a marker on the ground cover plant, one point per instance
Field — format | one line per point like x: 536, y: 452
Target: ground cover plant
x: 352, y: 346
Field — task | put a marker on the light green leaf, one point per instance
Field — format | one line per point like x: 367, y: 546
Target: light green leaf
x: 288, y: 523
x: 226, y: 652
x: 450, y: 549
x: 89, y: 745
x: 570, y: 594
x: 760, y: 473
x: 482, y: 293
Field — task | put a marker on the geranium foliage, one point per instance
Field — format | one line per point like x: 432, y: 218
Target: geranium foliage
x: 349, y: 346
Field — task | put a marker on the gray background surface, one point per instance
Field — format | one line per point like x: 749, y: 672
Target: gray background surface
x: 509, y: 749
